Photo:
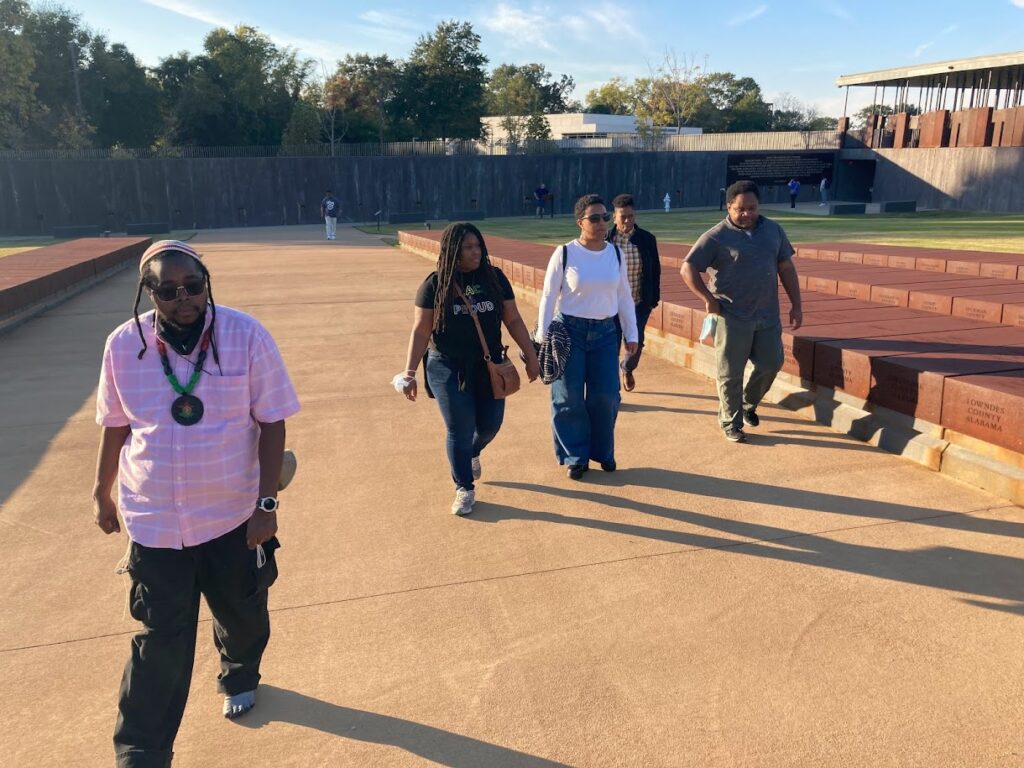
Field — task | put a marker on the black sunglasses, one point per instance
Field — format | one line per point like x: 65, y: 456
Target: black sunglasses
x: 596, y: 217
x: 193, y: 287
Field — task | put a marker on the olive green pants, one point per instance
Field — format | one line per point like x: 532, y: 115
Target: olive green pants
x: 736, y: 342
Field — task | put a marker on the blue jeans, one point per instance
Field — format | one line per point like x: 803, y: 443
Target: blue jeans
x: 585, y: 400
x: 643, y: 314
x: 471, y: 414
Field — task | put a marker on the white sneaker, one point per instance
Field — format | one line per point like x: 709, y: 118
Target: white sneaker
x: 477, y: 471
x: 464, y: 501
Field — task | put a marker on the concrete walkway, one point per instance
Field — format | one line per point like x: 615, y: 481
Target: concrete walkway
x: 802, y: 600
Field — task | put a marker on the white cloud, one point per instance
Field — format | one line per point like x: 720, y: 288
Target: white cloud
x: 838, y: 10
x: 519, y: 28
x: 922, y: 48
x: 1018, y: 3
x: 611, y: 18
x: 379, y: 19
x: 190, y: 11
x: 747, y: 16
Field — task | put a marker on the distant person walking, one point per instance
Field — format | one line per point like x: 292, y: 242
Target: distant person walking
x: 667, y: 201
x: 794, y: 190
x: 587, y: 289
x: 639, y: 250
x: 748, y: 255
x: 823, y: 191
x: 540, y: 196
x: 456, y: 374
x: 329, y: 210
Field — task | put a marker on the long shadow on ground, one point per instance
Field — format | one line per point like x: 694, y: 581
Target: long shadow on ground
x: 434, y: 744
x: 985, y: 575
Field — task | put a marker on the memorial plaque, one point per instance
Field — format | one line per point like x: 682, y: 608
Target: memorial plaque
x: 821, y: 284
x: 851, y: 257
x: 1013, y: 314
x: 854, y: 289
x: 655, y: 320
x: 517, y: 272
x: 776, y: 168
x: 1001, y: 271
x: 963, y: 267
x: 975, y: 308
x: 538, y: 278
x: 804, y: 252
x: 876, y: 259
x: 989, y: 407
x: 927, y: 264
x: 527, y: 278
x: 676, y: 320
x: 913, y: 384
x: 894, y: 297
x: 926, y: 301
x: 825, y: 254
x: 901, y: 262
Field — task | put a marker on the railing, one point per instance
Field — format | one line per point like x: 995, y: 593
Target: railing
x: 706, y: 142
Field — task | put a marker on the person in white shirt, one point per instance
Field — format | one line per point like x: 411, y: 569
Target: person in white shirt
x: 587, y: 289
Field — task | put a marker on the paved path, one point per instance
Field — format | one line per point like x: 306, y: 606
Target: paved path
x: 803, y: 600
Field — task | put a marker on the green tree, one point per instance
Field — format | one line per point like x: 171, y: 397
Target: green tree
x: 241, y: 90
x: 612, y: 98
x: 372, y: 91
x: 442, y: 88
x: 59, y: 44
x: 121, y: 100
x: 18, y: 103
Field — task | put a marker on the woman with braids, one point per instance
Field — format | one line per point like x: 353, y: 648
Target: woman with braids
x: 456, y: 375
x: 586, y: 288
x: 192, y: 400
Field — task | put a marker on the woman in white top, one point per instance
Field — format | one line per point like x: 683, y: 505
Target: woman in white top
x: 587, y: 289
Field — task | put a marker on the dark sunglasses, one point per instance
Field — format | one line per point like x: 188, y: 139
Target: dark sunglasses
x: 172, y: 292
x: 596, y: 217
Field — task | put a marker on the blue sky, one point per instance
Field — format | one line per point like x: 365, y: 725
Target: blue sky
x: 789, y: 46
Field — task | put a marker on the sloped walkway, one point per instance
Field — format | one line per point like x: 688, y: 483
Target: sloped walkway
x: 800, y: 600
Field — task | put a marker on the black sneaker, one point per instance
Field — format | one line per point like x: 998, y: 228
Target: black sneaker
x: 735, y: 434
x: 576, y: 471
x: 750, y: 418
x: 608, y: 466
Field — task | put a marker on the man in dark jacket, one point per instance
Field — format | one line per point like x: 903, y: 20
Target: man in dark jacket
x: 640, y: 254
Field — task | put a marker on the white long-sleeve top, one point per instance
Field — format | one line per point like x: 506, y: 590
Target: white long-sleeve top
x: 594, y: 285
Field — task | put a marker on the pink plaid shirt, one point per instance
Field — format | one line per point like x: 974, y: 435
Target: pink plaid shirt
x: 182, y: 486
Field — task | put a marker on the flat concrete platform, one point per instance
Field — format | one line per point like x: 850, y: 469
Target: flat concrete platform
x: 801, y: 600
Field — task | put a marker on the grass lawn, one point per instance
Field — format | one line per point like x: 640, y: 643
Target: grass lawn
x: 930, y: 229
x: 9, y: 246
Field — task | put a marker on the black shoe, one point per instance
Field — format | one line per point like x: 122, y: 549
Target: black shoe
x: 576, y: 471
x: 608, y: 466
x: 750, y: 418
x: 735, y: 434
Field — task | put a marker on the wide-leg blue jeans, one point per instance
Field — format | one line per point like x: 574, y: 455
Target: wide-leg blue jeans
x: 585, y: 400
x: 471, y: 414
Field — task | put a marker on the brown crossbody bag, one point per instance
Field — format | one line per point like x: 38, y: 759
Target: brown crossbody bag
x: 504, y: 376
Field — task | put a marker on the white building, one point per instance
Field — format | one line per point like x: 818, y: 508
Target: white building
x: 581, y: 125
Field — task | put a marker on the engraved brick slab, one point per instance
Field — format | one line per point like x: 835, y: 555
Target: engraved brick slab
x: 913, y: 384
x: 517, y: 272
x: 876, y: 259
x: 989, y: 407
x: 527, y: 278
x: 655, y: 320
x: 677, y: 320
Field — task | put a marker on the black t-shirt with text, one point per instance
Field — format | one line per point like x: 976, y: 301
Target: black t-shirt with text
x: 458, y: 340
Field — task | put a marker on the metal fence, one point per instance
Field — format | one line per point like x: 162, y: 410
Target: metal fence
x: 706, y: 142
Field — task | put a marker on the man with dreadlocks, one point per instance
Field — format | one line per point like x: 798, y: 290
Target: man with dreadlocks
x: 455, y: 371
x: 197, y: 451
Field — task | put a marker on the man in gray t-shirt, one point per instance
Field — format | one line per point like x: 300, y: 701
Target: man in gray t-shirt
x: 748, y: 255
